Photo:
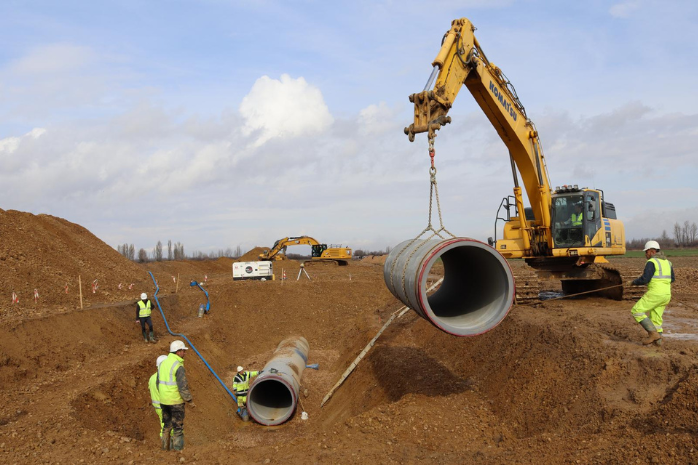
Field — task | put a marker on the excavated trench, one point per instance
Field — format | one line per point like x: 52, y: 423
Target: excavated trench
x: 533, y: 375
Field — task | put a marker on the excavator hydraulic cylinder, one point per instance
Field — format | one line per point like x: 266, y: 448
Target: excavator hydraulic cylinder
x: 477, y: 289
x: 273, y: 395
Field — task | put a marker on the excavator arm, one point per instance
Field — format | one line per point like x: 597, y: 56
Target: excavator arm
x: 281, y: 245
x: 459, y: 62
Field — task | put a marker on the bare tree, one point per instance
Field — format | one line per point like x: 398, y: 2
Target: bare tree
x: 694, y: 233
x: 169, y: 249
x: 158, y: 252
x: 238, y: 252
x: 142, y: 256
x: 131, y: 252
x: 677, y: 234
x: 179, y: 251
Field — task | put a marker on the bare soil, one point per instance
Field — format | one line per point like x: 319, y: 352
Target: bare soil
x: 565, y: 381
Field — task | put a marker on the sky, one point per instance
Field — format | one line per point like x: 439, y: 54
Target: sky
x: 222, y: 123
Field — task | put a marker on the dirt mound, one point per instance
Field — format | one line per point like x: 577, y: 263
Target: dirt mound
x: 374, y: 259
x: 252, y: 255
x: 48, y: 254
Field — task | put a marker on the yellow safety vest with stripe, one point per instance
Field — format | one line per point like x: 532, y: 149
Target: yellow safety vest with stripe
x: 154, y: 394
x: 167, y: 382
x: 241, y: 382
x: 577, y: 219
x: 144, y: 309
x: 661, y: 280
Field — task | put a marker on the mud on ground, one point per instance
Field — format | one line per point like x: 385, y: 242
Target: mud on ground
x: 566, y: 381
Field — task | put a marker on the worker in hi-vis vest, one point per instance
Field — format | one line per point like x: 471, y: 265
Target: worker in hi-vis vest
x: 658, y: 275
x: 241, y: 385
x: 174, y: 392
x: 578, y: 215
x: 143, y: 310
x: 154, y: 394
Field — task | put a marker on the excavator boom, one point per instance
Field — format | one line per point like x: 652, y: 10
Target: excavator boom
x: 319, y: 252
x: 544, y: 238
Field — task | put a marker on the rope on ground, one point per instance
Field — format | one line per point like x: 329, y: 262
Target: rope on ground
x: 569, y: 295
x: 347, y: 372
x: 157, y: 289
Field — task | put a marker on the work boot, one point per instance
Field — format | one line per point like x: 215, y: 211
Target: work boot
x: 145, y: 336
x: 651, y: 331
x: 165, y: 438
x: 178, y: 440
x: 152, y: 337
x: 654, y: 337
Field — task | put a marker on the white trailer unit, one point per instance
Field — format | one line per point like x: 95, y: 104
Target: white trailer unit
x: 252, y: 270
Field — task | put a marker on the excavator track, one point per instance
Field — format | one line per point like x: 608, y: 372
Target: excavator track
x: 528, y: 286
x: 532, y: 287
x: 608, y: 277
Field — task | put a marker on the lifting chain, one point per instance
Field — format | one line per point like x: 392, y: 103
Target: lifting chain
x: 433, y: 192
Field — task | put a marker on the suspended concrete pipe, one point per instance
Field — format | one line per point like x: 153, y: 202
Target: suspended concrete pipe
x: 272, y: 397
x: 477, y: 291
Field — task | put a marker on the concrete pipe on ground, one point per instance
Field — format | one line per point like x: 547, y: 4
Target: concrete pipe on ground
x: 272, y: 397
x: 475, y: 295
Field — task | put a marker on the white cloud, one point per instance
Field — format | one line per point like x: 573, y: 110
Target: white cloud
x: 624, y: 9
x: 377, y: 119
x: 283, y: 108
x: 53, y: 59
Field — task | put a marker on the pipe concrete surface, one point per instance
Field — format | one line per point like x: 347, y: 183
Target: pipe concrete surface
x: 477, y: 291
x: 272, y: 397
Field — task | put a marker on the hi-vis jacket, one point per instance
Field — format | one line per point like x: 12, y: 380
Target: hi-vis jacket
x: 172, y: 381
x: 241, y: 382
x: 154, y: 394
x: 143, y: 309
x: 658, y: 275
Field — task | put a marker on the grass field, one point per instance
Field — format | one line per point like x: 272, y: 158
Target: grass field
x: 667, y: 252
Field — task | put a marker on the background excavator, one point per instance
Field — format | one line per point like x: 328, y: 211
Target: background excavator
x: 318, y: 251
x: 565, y: 233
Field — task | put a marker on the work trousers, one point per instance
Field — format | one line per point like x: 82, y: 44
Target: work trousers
x: 144, y: 320
x: 654, y: 304
x: 173, y: 417
x: 158, y: 410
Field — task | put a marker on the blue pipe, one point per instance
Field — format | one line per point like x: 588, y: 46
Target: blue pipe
x: 157, y: 289
x: 208, y: 301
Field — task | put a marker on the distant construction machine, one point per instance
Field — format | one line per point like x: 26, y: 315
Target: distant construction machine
x: 318, y: 252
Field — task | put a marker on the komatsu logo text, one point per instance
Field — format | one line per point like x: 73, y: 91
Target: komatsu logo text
x: 499, y: 95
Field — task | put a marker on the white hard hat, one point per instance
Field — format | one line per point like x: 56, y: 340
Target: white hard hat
x: 160, y: 360
x: 651, y: 245
x: 144, y: 296
x: 240, y: 369
x: 177, y: 345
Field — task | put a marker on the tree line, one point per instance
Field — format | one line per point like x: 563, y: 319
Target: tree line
x: 174, y: 252
x: 685, y: 235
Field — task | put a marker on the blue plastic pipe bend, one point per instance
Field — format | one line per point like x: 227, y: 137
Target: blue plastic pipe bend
x: 157, y: 301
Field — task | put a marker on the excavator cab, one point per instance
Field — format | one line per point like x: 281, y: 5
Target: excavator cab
x: 316, y: 250
x: 575, y: 217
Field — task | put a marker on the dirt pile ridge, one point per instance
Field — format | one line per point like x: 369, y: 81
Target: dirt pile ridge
x: 565, y: 381
x: 252, y: 255
x: 46, y: 253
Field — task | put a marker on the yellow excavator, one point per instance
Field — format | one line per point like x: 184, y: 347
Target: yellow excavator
x: 566, y: 232
x: 318, y: 252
